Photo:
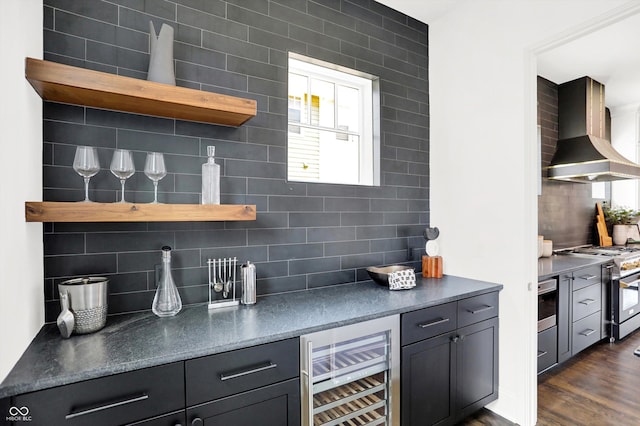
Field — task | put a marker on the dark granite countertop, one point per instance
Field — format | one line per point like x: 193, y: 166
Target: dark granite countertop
x: 563, y: 263
x: 134, y: 341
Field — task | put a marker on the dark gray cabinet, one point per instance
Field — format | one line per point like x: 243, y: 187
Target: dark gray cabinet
x: 230, y: 388
x: 255, y: 385
x: 580, y: 305
x: 581, y: 314
x: 451, y: 372
x: 119, y: 399
x: 277, y: 404
x: 547, y: 348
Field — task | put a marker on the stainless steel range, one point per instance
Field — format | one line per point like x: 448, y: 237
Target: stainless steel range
x: 623, y: 277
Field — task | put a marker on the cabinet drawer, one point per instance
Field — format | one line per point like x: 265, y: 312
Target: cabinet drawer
x: 117, y: 399
x: 585, y: 332
x: 224, y: 374
x: 477, y: 308
x: 586, y: 301
x: 427, y: 322
x: 547, y: 348
x: 586, y: 277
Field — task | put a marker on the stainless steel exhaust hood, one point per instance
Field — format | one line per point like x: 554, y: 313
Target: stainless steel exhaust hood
x: 582, y: 153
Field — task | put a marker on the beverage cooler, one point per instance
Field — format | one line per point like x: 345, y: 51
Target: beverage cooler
x: 350, y: 374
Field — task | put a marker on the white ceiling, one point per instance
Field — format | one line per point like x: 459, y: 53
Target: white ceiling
x: 610, y: 55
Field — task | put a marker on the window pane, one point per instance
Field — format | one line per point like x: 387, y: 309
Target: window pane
x: 298, y: 98
x: 323, y: 156
x: 322, y: 103
x: 348, y: 108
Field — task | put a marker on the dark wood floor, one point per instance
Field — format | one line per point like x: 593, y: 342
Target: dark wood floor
x: 599, y: 386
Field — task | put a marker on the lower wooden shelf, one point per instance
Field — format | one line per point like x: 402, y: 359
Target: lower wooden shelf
x: 52, y: 211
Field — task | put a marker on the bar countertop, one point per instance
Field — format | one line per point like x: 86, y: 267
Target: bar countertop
x: 134, y: 341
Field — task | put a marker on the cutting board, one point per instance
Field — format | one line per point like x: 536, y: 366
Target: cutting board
x: 604, y: 238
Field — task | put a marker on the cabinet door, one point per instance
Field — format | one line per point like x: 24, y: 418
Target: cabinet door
x: 172, y: 419
x: 477, y: 366
x: 277, y: 405
x: 428, y: 382
x: 564, y: 317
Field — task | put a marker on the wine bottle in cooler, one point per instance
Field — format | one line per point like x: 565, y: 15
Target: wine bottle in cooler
x: 211, y: 179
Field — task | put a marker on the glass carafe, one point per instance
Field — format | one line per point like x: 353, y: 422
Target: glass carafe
x: 167, y: 301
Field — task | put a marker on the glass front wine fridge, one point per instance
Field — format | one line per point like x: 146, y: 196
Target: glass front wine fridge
x: 350, y: 374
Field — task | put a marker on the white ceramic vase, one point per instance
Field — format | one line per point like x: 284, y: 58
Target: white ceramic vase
x: 621, y: 233
x: 161, y: 68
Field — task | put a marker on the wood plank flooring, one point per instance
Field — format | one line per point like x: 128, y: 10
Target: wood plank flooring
x: 599, y: 386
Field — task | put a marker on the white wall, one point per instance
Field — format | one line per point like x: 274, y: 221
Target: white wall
x: 21, y: 258
x: 483, y: 155
x: 625, y: 135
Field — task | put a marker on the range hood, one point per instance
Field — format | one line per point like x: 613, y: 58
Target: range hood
x: 583, y: 154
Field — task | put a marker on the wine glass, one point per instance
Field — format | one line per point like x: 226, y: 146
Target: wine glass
x: 86, y: 164
x: 155, y: 170
x: 122, y: 167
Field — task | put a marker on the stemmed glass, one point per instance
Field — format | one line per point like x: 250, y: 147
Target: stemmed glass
x: 122, y: 167
x: 155, y: 170
x: 86, y: 164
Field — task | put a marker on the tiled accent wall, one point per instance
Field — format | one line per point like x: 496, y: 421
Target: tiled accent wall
x: 306, y: 235
x: 566, y: 211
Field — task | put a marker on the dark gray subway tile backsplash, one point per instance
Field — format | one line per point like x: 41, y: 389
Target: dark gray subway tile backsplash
x: 306, y: 235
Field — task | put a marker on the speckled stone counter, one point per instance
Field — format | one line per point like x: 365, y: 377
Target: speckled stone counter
x: 134, y: 341
x: 561, y: 264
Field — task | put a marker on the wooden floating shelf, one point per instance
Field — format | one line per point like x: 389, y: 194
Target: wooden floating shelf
x: 52, y: 211
x: 64, y: 83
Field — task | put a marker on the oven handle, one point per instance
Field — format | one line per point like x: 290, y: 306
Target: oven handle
x: 545, y: 291
x: 633, y: 285
x: 548, y: 286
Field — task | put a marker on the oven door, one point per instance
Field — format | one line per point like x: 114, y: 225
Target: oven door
x: 629, y: 303
x: 547, y: 301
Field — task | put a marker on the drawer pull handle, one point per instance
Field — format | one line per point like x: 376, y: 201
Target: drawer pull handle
x: 542, y: 353
x: 434, y: 322
x: 587, y: 332
x: 588, y: 277
x: 268, y: 366
x: 106, y: 407
x: 479, y: 310
x: 587, y: 301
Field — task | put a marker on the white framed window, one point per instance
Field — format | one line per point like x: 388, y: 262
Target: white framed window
x: 333, y: 123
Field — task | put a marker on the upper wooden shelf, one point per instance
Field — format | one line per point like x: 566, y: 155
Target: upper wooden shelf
x: 80, y: 86
x: 53, y: 211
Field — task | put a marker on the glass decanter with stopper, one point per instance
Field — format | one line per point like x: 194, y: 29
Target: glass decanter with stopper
x: 167, y: 301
